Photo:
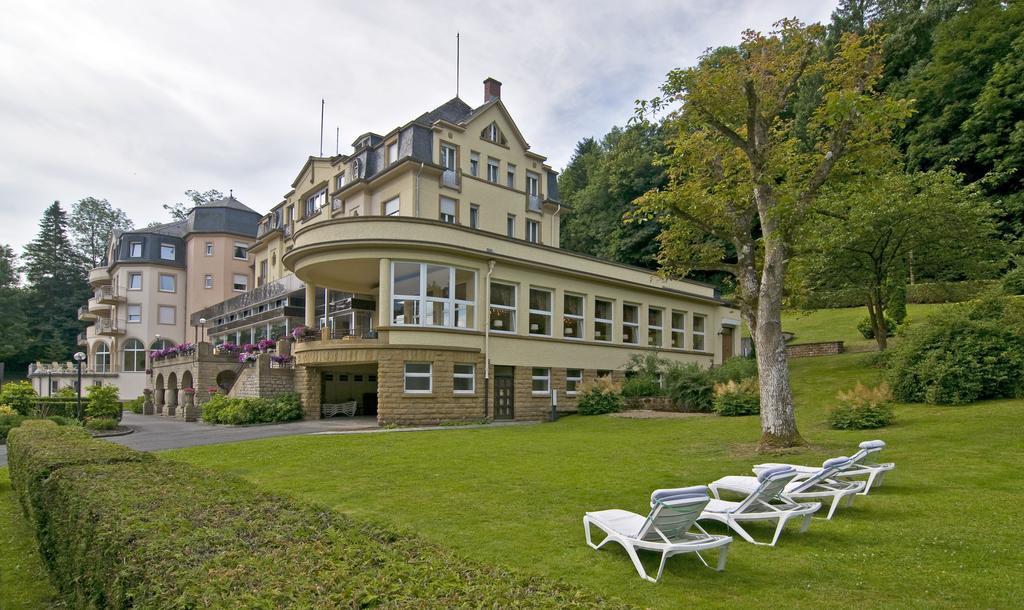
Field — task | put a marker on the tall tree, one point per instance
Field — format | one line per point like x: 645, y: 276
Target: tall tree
x: 865, y: 234
x: 740, y: 174
x: 91, y: 222
x: 180, y: 210
x: 57, y: 286
x: 13, y: 331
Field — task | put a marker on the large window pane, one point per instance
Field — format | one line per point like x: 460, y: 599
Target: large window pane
x: 540, y: 312
x: 438, y: 281
x: 407, y: 279
x: 465, y: 285
x: 503, y: 307
x: 503, y: 294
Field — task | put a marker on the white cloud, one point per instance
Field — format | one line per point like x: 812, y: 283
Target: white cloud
x: 136, y: 101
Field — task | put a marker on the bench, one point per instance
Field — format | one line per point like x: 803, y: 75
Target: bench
x: 344, y: 408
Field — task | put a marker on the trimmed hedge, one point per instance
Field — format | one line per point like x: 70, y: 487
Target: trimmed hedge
x: 223, y: 410
x: 145, y: 533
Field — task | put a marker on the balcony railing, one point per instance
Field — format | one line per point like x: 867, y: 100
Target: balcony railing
x: 107, y: 296
x: 85, y: 314
x: 107, y: 326
x: 533, y: 203
x: 82, y: 339
x: 450, y: 178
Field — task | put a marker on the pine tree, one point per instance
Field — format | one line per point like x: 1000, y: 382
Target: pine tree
x: 57, y: 287
x: 13, y: 332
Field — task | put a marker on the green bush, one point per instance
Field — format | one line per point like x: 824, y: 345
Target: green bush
x: 862, y: 408
x: 223, y: 410
x: 19, y: 395
x: 972, y: 352
x: 9, y: 422
x: 49, y: 406
x: 949, y: 292
x: 641, y: 385
x: 599, y: 396
x: 101, y: 423
x: 1013, y: 281
x: 737, y: 398
x: 868, y: 331
x: 691, y: 386
x: 737, y: 368
x: 104, y: 402
x: 118, y: 529
x: 135, y: 405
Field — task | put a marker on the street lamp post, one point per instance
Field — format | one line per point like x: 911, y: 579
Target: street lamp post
x: 79, y: 359
x: 202, y: 323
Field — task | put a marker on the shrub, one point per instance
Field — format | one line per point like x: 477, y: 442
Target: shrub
x: 63, y: 406
x: 862, y: 408
x: 868, y: 331
x: 101, y: 423
x: 19, y: 395
x: 691, y: 386
x: 949, y: 292
x: 641, y: 385
x: 135, y: 405
x: 972, y: 352
x: 1013, y: 281
x: 737, y: 368
x: 7, y: 410
x: 103, y: 402
x: 737, y: 398
x: 117, y: 529
x: 223, y: 410
x: 598, y: 396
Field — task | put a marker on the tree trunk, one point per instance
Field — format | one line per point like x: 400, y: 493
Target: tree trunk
x: 778, y: 420
x: 876, y: 315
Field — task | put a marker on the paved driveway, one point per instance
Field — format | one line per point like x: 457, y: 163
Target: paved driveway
x: 153, y: 432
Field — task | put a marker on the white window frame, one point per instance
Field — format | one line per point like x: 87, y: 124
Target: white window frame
x: 245, y: 251
x: 339, y: 181
x: 208, y: 281
x: 209, y: 248
x: 549, y: 314
x: 580, y: 318
x: 532, y: 231
x: 474, y: 164
x: 429, y: 375
x: 659, y: 328
x: 160, y: 309
x: 532, y: 184
x: 393, y: 151
x: 634, y: 325
x: 134, y: 274
x: 452, y: 218
x: 174, y: 283
x: 610, y: 322
x: 577, y: 379
x: 701, y: 333
x: 235, y: 283
x: 138, y: 364
x: 456, y: 310
x: 132, y: 247
x: 474, y: 216
x: 510, y: 225
x: 128, y: 313
x: 173, y: 252
x: 545, y: 377
x: 470, y: 376
x: 398, y: 207
x: 314, y: 202
x: 493, y: 170
x: 513, y: 309
x: 510, y: 175
x: 679, y: 331
x: 104, y: 367
x: 449, y: 156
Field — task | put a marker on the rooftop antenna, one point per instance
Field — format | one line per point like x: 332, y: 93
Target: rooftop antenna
x: 231, y: 193
x: 322, y: 102
x: 337, y: 140
x: 456, y: 64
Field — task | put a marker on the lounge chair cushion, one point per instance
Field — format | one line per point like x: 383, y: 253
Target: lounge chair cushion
x: 679, y: 493
x: 768, y: 473
x: 876, y: 444
x: 833, y: 462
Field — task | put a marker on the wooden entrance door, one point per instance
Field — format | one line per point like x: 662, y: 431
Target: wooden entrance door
x: 504, y: 394
x: 726, y: 342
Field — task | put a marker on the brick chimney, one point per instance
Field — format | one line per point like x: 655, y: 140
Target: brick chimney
x: 492, y: 89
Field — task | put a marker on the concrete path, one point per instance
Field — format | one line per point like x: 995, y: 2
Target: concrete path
x: 153, y: 432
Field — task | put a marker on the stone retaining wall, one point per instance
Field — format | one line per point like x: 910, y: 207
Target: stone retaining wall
x: 806, y: 350
x: 260, y: 380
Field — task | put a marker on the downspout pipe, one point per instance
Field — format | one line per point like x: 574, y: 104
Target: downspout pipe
x: 420, y: 171
x: 487, y: 334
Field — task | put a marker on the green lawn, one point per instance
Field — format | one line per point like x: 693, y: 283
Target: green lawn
x: 942, y: 532
x: 841, y: 324
x: 23, y: 579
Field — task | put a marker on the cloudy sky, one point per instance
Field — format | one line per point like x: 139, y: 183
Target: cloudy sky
x: 137, y: 101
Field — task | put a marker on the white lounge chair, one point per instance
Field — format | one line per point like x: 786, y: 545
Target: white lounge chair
x: 666, y: 529
x: 763, y: 504
x: 860, y: 465
x: 819, y: 486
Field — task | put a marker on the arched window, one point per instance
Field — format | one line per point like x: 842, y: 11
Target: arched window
x: 161, y: 344
x: 134, y: 356
x: 101, y: 362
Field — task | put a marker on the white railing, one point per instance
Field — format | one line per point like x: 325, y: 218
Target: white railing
x: 450, y: 178
x: 533, y: 203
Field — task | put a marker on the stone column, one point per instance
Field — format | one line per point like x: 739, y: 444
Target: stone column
x: 384, y: 294
x: 188, y: 406
x: 310, y: 320
x: 171, y: 400
x: 158, y: 406
x: 147, y: 402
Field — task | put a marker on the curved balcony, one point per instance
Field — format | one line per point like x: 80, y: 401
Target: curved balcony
x: 99, y: 276
x: 97, y: 308
x: 85, y: 315
x: 107, y: 296
x: 109, y: 328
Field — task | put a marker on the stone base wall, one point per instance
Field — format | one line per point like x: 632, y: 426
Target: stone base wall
x: 261, y: 381
x: 806, y: 350
x: 396, y: 406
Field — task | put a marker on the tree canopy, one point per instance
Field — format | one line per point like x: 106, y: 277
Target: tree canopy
x: 91, y: 223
